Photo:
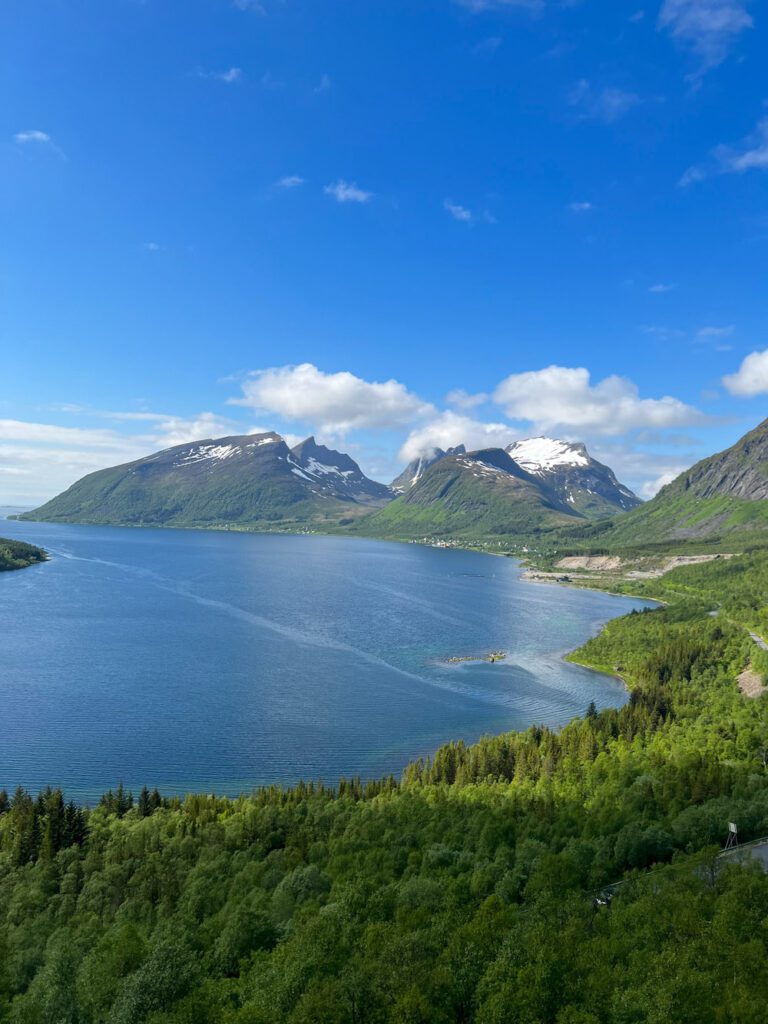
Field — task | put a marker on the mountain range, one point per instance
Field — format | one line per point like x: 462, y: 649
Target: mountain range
x: 254, y: 481
x: 257, y: 482
x: 533, y: 487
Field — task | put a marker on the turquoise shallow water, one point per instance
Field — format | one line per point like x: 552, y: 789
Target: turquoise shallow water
x: 218, y: 661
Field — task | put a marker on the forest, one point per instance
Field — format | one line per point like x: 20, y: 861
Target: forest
x: 463, y: 892
x: 16, y: 554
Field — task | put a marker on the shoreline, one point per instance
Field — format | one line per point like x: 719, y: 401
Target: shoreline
x: 567, y: 657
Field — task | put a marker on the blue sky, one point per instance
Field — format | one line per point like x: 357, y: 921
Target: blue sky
x: 393, y: 225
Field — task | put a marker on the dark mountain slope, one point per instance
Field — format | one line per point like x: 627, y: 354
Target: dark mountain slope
x: 338, y: 475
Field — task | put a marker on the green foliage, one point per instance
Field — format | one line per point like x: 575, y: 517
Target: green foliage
x: 15, y: 554
x: 463, y: 893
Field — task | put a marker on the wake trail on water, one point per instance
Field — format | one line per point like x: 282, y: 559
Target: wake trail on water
x: 291, y: 633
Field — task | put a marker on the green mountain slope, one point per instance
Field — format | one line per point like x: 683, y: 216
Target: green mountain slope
x: 253, y: 481
x: 476, y: 495
x: 722, y: 498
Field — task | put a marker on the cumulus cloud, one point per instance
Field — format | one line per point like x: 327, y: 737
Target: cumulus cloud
x: 751, y: 378
x: 707, y: 27
x: 751, y: 154
x: 563, y: 398
x: 334, y: 403
x: 450, y: 428
x: 606, y: 104
x: 347, y: 192
x: 290, y: 181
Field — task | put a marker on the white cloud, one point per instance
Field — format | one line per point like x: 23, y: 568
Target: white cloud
x: 458, y: 212
x: 31, y: 136
x: 563, y: 398
x: 716, y: 332
x: 584, y: 207
x: 661, y: 289
x: 450, y: 428
x: 324, y: 84
x: 151, y: 246
x: 751, y: 154
x: 607, y: 104
x: 691, y: 175
x: 178, y: 430
x: 229, y: 76
x: 34, y: 137
x: 645, y: 472
x: 43, y: 459
x: 751, y: 378
x: 478, y: 6
x: 461, y: 399
x: 46, y: 433
x: 488, y: 45
x: 334, y: 403
x: 708, y: 27
x: 651, y: 487
x: 290, y: 181
x: 347, y: 192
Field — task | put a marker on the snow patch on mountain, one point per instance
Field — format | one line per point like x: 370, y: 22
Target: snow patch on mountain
x: 539, y: 454
x: 216, y: 452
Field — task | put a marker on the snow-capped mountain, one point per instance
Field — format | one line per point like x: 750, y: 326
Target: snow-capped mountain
x: 252, y: 480
x: 570, y: 472
x: 415, y: 469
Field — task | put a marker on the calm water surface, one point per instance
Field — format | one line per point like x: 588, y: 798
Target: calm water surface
x: 218, y: 661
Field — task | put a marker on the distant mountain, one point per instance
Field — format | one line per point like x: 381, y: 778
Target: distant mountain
x: 337, y: 475
x: 416, y: 468
x: 473, y: 495
x: 722, y: 497
x: 570, y: 472
x: 253, y: 481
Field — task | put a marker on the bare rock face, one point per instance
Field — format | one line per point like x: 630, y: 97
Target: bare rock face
x: 738, y: 472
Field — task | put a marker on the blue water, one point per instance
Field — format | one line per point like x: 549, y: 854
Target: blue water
x: 218, y: 661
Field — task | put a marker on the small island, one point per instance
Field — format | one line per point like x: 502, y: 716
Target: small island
x: 16, y: 554
x: 492, y: 657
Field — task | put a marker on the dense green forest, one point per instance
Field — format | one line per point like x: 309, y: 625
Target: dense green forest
x: 462, y: 893
x: 15, y: 554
